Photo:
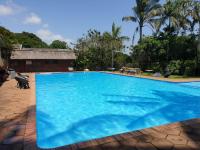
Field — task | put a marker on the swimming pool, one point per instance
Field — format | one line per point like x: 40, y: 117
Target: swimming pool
x: 75, y: 107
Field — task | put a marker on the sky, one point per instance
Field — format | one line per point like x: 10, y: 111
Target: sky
x: 66, y: 20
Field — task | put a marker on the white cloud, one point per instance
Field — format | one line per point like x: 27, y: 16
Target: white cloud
x: 33, y: 19
x: 10, y: 8
x: 48, y: 36
x: 6, y: 10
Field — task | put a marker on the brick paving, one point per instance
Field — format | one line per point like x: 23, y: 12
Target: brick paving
x: 18, y: 128
x: 14, y: 107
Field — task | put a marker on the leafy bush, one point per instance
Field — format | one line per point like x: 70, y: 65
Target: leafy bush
x: 175, y: 67
x: 189, y: 68
x: 178, y: 53
x: 59, y: 44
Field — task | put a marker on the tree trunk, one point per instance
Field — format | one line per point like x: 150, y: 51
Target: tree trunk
x: 199, y: 30
x: 169, y: 22
x: 198, y: 45
x: 140, y: 33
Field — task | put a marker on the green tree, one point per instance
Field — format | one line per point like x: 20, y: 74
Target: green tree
x: 7, y: 38
x: 115, y: 39
x: 173, y: 15
x: 121, y: 60
x: 59, y: 44
x: 94, y: 50
x: 195, y: 14
x: 143, y: 12
x: 150, y: 53
x: 30, y: 40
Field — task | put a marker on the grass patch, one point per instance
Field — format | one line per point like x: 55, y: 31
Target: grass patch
x: 147, y: 74
x: 177, y: 77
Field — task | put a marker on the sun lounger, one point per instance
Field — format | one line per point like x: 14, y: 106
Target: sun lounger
x: 23, y: 76
x: 122, y: 70
x: 111, y: 69
x: 133, y: 71
x: 22, y: 82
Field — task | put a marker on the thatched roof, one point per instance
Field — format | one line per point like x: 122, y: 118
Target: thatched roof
x: 36, y: 53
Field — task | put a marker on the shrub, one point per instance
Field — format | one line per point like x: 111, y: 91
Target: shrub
x: 175, y: 67
x: 189, y: 68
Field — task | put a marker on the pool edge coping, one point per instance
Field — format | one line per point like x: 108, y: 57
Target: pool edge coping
x: 153, y: 78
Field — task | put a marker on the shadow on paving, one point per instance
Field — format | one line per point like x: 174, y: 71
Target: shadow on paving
x: 12, y: 131
x: 2, y: 82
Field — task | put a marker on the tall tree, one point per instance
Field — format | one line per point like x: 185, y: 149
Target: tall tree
x: 59, y: 44
x: 116, y: 40
x: 195, y: 14
x: 173, y: 15
x: 143, y: 12
x: 95, y: 49
x: 7, y: 38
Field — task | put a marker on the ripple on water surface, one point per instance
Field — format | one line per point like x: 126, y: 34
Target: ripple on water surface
x: 74, y: 107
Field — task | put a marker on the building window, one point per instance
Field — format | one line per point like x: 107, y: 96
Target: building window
x: 28, y: 62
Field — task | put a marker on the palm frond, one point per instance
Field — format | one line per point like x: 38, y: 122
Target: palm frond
x: 156, y: 24
x: 124, y: 38
x: 152, y: 7
x: 129, y: 18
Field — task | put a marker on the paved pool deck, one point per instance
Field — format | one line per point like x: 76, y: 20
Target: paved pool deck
x: 18, y: 128
x: 189, y: 79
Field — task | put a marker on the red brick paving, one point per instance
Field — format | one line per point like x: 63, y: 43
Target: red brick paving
x: 18, y: 130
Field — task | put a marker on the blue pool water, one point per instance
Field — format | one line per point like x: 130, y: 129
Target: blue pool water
x: 74, y: 107
x: 191, y: 84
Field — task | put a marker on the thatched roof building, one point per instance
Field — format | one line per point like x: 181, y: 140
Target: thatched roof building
x: 41, y: 60
x: 36, y: 53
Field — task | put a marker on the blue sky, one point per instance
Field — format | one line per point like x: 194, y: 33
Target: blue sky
x: 66, y: 19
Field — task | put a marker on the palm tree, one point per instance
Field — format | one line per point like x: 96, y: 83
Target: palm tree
x: 173, y: 14
x: 184, y: 10
x: 195, y: 14
x: 155, y: 25
x: 115, y: 39
x: 144, y: 11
